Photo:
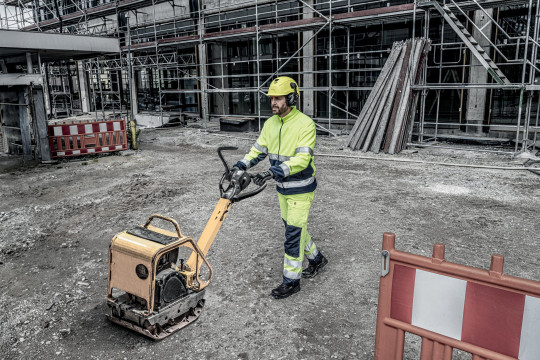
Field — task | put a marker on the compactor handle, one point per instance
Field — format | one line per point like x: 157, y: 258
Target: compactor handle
x: 248, y: 194
x: 176, y: 226
x: 219, y: 150
x: 238, y: 181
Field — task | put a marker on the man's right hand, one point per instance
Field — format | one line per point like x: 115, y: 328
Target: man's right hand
x: 233, y: 170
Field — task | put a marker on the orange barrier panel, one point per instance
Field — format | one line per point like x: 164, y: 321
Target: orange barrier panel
x: 483, y: 312
x: 87, y: 138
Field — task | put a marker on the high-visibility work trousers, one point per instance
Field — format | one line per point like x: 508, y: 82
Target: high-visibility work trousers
x: 295, y: 213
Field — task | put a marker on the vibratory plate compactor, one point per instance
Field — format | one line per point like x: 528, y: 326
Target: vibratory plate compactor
x: 151, y: 289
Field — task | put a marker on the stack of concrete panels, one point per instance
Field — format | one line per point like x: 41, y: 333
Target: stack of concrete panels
x: 385, y: 121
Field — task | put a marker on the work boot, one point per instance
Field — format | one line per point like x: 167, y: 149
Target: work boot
x: 313, y: 269
x: 285, y: 290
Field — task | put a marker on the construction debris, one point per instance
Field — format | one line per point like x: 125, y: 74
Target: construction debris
x: 385, y: 122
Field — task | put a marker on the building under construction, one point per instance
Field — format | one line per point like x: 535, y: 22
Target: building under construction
x: 210, y: 61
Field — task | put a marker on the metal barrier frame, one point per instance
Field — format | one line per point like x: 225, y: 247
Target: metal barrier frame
x: 390, y: 333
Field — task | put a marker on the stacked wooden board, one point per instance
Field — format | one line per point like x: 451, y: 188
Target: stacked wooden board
x: 385, y: 122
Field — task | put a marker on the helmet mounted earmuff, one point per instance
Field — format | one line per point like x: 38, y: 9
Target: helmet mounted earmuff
x: 292, y: 98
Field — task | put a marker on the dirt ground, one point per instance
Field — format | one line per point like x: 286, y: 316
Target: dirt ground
x: 56, y: 223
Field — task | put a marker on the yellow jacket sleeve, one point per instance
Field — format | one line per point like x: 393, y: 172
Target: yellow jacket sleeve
x: 257, y: 153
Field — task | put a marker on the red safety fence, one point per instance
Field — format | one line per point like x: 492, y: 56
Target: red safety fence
x: 87, y: 138
x: 450, y: 306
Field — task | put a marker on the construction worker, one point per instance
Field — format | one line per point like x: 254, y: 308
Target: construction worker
x: 288, y: 139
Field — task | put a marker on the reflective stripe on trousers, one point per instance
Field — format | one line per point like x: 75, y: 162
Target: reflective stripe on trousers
x: 295, y: 213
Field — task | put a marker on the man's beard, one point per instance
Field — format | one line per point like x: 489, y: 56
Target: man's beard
x: 279, y: 111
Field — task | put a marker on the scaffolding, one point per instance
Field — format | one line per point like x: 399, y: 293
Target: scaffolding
x: 207, y: 60
x: 63, y: 95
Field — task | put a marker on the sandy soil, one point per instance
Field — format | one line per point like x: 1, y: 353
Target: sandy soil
x: 56, y: 223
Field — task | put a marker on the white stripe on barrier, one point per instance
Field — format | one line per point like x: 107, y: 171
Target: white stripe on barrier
x: 73, y: 130
x: 116, y: 126
x: 102, y: 127
x: 61, y: 153
x: 529, y: 345
x: 88, y: 129
x: 119, y: 146
x: 57, y: 130
x: 438, y: 303
x: 76, y: 152
x: 105, y: 148
x: 91, y: 150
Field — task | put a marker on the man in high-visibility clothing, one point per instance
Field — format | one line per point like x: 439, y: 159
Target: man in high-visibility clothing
x: 288, y: 138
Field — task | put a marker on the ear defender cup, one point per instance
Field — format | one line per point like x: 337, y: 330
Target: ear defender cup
x: 292, y: 98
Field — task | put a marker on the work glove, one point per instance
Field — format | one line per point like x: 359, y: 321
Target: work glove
x: 233, y: 171
x: 240, y: 165
x: 261, y: 178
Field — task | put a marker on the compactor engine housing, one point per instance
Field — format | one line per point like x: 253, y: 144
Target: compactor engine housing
x: 149, y: 288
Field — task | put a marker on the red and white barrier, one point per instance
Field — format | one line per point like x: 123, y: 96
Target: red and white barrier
x: 486, y: 313
x: 500, y: 320
x: 88, y: 138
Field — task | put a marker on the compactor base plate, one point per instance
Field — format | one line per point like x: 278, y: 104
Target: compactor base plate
x: 159, y: 331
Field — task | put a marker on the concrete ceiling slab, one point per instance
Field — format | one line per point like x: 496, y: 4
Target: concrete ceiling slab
x: 53, y: 46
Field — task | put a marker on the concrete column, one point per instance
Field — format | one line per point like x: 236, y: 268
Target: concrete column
x: 47, y: 89
x: 133, y: 94
x: 476, y: 99
x: 132, y: 75
x: 204, y: 86
x: 29, y: 65
x: 308, y: 66
x: 83, y: 87
x: 202, y: 63
x: 220, y: 103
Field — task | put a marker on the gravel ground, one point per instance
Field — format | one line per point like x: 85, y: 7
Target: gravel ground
x: 56, y: 223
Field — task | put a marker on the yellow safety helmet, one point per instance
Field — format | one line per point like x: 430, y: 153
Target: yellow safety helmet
x: 285, y: 86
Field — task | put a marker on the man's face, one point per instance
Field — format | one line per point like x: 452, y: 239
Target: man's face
x: 279, y: 105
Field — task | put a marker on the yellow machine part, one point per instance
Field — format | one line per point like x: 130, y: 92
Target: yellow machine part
x: 210, y: 231
x: 126, y: 252
x: 133, y: 130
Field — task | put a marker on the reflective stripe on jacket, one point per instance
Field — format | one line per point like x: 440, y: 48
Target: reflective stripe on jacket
x: 289, y: 144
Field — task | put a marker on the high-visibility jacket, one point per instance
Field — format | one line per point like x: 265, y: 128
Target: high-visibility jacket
x: 289, y: 143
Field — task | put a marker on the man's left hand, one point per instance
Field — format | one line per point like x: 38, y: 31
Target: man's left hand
x: 261, y: 178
